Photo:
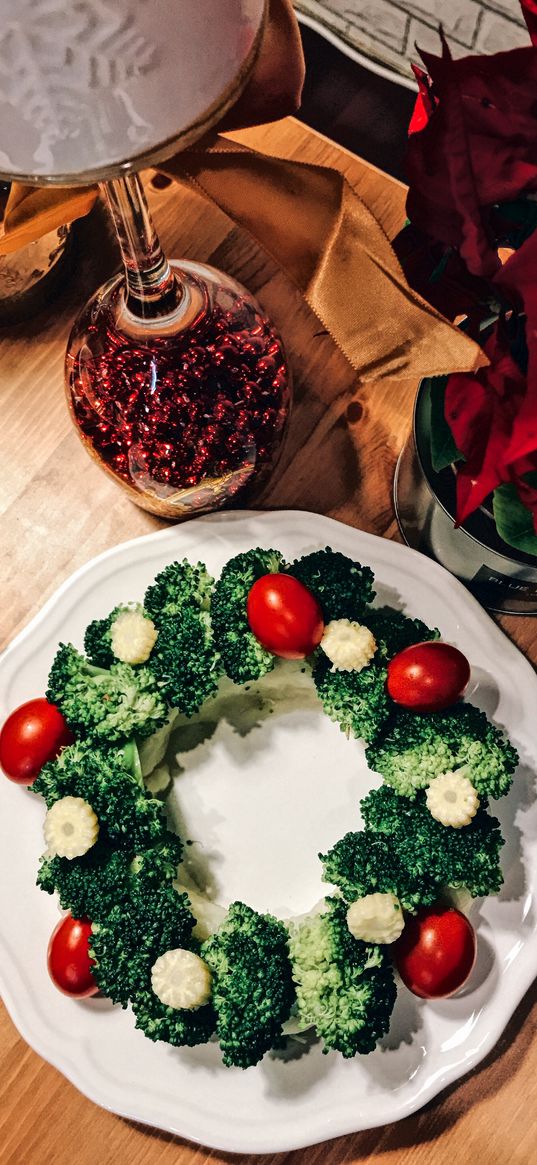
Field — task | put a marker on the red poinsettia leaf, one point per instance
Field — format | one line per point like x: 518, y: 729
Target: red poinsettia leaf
x: 440, y: 276
x: 424, y: 101
x: 517, y: 281
x: 477, y: 148
x: 524, y: 465
x: 480, y: 410
x: 529, y: 11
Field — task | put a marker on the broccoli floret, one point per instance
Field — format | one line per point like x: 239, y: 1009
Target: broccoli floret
x: 252, y: 985
x: 184, y: 661
x: 414, y: 748
x: 343, y: 587
x: 127, y: 940
x: 133, y: 907
x: 356, y: 700
x: 451, y: 857
x: 394, y: 631
x: 98, y: 636
x: 127, y: 943
x: 158, y: 864
x: 105, y: 706
x: 102, y: 879
x: 130, y: 816
x: 344, y: 987
x: 179, y: 585
x: 243, y: 657
x: 90, y: 886
x: 176, y: 1026
x: 363, y: 863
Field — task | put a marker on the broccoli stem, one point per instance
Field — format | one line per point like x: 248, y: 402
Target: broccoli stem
x: 132, y: 762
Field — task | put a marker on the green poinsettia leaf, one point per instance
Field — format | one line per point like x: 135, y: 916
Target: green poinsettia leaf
x: 443, y: 448
x: 514, y: 522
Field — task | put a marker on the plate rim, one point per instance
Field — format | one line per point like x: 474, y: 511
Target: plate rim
x: 285, y: 1136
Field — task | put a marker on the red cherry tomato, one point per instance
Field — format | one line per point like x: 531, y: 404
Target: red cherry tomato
x: 68, y: 961
x: 32, y: 735
x: 436, y: 952
x: 284, y: 616
x: 428, y: 676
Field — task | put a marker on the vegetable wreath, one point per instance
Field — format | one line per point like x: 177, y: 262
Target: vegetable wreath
x: 136, y: 934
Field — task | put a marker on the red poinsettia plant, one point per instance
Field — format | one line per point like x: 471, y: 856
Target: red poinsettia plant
x: 470, y: 247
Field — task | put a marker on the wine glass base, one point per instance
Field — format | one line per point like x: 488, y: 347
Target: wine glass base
x: 187, y: 410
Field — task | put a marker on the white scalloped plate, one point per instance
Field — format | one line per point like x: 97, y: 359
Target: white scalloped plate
x: 275, y: 1106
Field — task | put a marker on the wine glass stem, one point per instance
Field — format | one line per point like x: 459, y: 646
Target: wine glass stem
x: 153, y: 288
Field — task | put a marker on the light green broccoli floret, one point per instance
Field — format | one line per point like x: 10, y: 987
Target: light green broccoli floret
x: 356, y: 700
x: 416, y: 747
x: 179, y: 585
x: 105, y: 706
x: 344, y: 987
x: 242, y: 655
x: 342, y: 587
x: 252, y: 986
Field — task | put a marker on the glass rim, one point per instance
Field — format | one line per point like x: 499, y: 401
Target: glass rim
x: 162, y: 150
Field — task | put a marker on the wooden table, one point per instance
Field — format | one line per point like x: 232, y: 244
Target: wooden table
x: 57, y: 511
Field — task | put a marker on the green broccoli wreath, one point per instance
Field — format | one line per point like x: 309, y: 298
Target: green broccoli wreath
x: 111, y: 857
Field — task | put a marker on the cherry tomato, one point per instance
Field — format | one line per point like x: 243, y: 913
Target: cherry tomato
x: 68, y: 961
x: 284, y: 616
x: 436, y: 952
x: 428, y: 676
x: 32, y: 735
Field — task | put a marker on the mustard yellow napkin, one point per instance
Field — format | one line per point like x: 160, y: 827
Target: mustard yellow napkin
x: 322, y: 235
x: 32, y: 211
x: 333, y: 248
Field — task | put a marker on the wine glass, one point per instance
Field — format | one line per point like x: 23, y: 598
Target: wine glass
x: 176, y: 380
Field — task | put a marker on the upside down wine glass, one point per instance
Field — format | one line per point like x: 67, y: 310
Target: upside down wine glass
x: 176, y: 380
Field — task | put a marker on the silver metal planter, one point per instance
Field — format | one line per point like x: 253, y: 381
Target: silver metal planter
x: 502, y: 578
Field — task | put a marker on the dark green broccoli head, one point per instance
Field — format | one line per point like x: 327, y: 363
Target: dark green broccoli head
x: 112, y: 888
x: 177, y: 1026
x: 344, y: 987
x: 98, y: 635
x: 468, y: 857
x: 90, y: 886
x: 105, y: 706
x: 394, y: 631
x: 157, y: 864
x: 184, y: 661
x: 363, y: 863
x: 127, y: 940
x: 243, y: 657
x: 252, y: 986
x: 356, y: 700
x: 343, y: 587
x: 128, y: 814
x: 416, y: 747
x: 179, y: 585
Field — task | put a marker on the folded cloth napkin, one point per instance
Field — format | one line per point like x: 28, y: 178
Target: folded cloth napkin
x: 321, y: 234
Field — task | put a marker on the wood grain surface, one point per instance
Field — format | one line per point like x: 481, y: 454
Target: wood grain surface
x: 57, y: 511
